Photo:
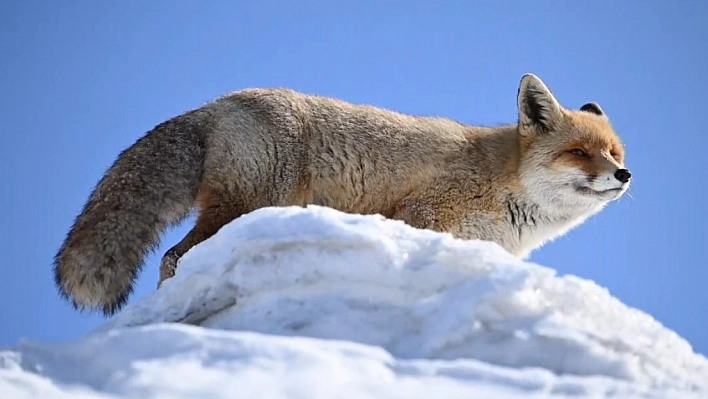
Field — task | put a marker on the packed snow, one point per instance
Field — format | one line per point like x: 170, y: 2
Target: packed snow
x: 314, y: 303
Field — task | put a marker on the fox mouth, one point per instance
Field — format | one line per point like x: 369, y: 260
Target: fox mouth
x: 597, y: 193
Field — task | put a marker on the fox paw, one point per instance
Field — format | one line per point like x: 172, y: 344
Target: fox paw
x: 168, y: 266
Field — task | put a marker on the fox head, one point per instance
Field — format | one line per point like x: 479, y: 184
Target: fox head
x: 571, y: 160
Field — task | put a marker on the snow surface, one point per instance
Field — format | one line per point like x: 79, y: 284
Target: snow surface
x: 315, y: 303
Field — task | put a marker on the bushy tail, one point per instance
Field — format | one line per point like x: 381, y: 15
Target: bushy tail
x: 150, y: 186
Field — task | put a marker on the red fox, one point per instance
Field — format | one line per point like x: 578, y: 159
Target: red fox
x: 519, y: 185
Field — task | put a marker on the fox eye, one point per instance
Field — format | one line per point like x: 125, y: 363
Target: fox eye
x: 578, y: 152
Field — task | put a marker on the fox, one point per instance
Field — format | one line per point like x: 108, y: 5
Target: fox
x: 519, y: 185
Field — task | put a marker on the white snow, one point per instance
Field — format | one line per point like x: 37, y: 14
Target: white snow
x: 314, y: 303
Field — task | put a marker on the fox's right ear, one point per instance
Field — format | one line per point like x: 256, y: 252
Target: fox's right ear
x: 593, y: 108
x: 538, y: 109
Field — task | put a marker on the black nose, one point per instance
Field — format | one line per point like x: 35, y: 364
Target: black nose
x: 622, y: 175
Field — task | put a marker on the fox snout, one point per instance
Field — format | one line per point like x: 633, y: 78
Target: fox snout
x: 623, y: 175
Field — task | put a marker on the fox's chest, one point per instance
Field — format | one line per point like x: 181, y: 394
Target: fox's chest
x: 519, y: 237
x: 520, y: 230
x: 533, y: 236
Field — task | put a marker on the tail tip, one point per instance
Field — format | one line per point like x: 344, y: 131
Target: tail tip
x: 86, y: 294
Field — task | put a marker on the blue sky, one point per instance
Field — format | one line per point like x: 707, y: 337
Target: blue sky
x: 82, y: 80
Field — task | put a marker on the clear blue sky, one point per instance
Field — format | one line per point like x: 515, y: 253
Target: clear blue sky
x: 82, y: 80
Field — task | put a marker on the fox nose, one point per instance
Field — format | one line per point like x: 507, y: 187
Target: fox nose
x: 623, y: 175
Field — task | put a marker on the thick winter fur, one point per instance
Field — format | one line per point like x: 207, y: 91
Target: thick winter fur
x: 519, y: 185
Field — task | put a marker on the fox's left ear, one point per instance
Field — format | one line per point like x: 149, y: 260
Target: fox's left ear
x: 538, y: 109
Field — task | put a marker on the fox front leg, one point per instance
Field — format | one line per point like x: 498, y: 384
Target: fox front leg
x: 415, y: 213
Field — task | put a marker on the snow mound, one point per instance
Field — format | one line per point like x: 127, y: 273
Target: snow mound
x: 312, y: 302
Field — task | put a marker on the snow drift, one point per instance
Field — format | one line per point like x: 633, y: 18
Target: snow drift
x: 312, y: 302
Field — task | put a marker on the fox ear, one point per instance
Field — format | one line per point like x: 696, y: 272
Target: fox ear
x: 594, y: 108
x: 538, y: 108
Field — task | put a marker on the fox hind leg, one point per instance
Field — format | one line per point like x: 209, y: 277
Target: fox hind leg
x: 213, y: 216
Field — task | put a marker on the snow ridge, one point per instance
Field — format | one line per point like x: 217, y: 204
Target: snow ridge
x: 293, y: 302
